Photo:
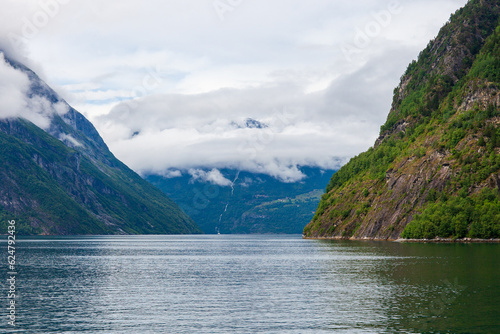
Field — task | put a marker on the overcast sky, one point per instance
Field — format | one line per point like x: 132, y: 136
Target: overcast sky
x: 170, y: 84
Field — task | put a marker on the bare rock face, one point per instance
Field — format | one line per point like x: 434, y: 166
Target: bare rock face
x: 399, y: 127
x: 480, y: 94
x: 391, y: 202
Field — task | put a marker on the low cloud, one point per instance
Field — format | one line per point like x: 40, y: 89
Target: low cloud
x: 272, y: 129
x: 167, y: 103
x: 14, y: 86
x: 214, y: 177
x: 69, y: 140
x: 17, y: 102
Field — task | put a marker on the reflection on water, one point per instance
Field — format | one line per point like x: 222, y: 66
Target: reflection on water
x: 253, y: 284
x: 433, y: 288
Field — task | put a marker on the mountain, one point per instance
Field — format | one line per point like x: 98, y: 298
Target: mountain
x: 435, y: 169
x: 249, y: 202
x: 62, y: 179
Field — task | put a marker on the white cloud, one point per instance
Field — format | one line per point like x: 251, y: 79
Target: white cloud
x: 174, y: 131
x: 170, y: 174
x: 13, y: 88
x: 214, y: 176
x: 165, y: 81
x: 70, y: 140
x: 17, y: 102
x: 61, y: 108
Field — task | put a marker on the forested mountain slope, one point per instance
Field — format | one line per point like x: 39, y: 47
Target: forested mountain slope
x: 62, y: 179
x: 253, y: 203
x: 435, y: 169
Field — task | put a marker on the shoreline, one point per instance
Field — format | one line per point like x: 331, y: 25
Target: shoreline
x: 449, y: 241
x: 400, y: 240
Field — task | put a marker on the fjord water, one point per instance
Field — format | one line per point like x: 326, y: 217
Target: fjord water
x: 252, y: 284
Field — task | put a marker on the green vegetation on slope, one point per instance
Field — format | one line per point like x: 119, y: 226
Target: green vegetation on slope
x: 29, y: 184
x: 49, y: 188
x: 64, y: 180
x: 435, y: 169
x: 476, y: 216
x: 256, y: 203
x: 466, y: 213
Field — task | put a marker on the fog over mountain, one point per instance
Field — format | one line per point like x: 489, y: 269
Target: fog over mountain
x: 171, y: 88
x: 58, y: 177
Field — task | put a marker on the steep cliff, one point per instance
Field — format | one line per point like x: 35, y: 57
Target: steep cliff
x: 435, y: 169
x: 62, y: 179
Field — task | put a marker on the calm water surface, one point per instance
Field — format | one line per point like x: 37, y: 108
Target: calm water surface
x: 251, y: 284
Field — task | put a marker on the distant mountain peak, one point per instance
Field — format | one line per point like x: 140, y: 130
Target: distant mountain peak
x: 249, y: 123
x: 254, y: 124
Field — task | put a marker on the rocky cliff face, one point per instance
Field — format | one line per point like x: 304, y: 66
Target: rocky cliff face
x: 63, y: 179
x: 435, y: 169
